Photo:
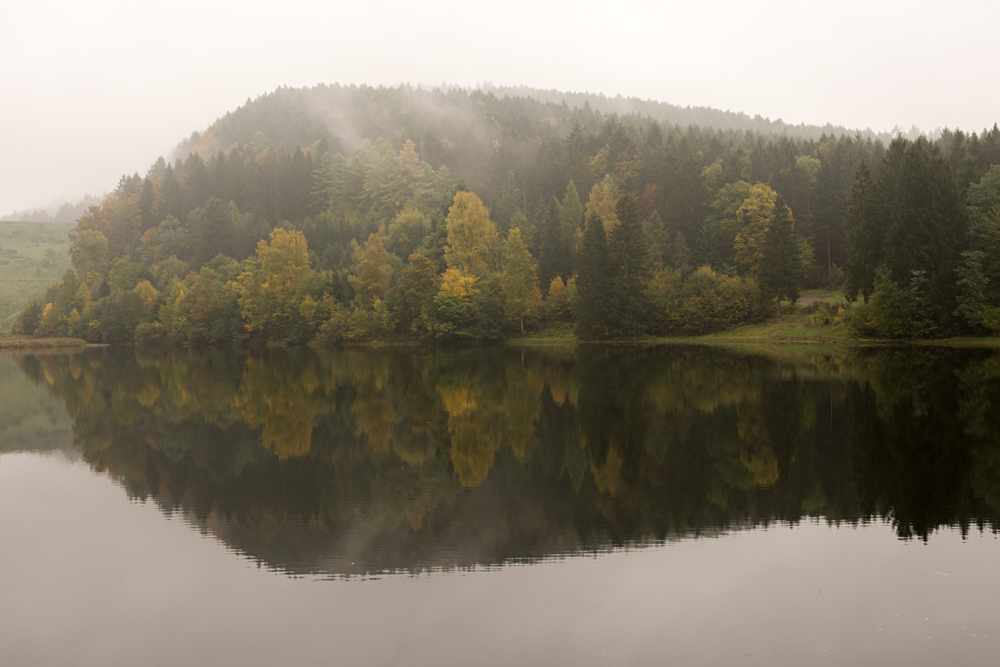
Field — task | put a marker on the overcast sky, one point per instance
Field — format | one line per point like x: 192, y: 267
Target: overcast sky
x: 91, y: 90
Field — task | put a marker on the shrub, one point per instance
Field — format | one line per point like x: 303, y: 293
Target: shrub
x: 703, y: 302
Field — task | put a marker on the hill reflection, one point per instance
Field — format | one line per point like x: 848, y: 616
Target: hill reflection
x: 353, y: 461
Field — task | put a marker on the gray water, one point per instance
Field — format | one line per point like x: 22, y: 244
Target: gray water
x: 596, y: 506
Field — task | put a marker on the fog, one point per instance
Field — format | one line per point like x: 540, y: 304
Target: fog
x: 95, y: 90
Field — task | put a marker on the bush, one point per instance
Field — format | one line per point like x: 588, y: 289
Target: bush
x: 860, y: 321
x: 335, y: 329
x: 901, y: 313
x: 702, y: 303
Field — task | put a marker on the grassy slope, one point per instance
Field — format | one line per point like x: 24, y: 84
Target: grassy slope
x: 32, y: 257
x: 799, y: 325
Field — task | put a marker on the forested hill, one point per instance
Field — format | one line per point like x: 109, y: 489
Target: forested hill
x: 368, y: 213
x: 343, y: 116
x: 673, y: 114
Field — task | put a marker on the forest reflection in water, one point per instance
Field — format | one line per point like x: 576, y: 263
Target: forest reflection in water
x: 365, y: 461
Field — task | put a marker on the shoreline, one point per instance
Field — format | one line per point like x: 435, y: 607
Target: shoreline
x: 14, y: 343
x: 720, y: 338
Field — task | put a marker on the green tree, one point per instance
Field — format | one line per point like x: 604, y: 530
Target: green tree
x: 753, y: 218
x: 572, y: 210
x: 417, y: 283
x: 780, y: 264
x: 455, y: 306
x: 627, y: 247
x: 123, y: 277
x: 519, y: 280
x: 405, y: 232
x: 865, y: 231
x: 372, y: 271
x: 592, y: 307
x: 90, y: 256
x: 556, y: 254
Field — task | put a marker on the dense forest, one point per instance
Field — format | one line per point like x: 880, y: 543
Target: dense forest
x: 355, y: 213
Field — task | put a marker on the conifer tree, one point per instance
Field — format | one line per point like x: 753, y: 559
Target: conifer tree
x: 555, y: 252
x: 780, y: 266
x: 572, y: 210
x: 593, y: 283
x: 864, y: 235
x: 927, y: 223
x: 630, y: 271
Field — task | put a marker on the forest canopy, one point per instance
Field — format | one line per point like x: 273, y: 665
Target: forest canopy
x: 353, y: 213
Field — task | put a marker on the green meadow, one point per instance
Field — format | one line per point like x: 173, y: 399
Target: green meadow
x: 33, y: 255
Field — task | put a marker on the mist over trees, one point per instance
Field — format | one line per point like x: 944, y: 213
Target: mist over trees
x: 63, y: 212
x: 354, y: 213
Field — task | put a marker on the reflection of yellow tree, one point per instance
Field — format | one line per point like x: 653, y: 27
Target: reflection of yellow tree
x: 268, y: 398
x: 287, y: 428
x: 608, y: 474
x: 520, y: 406
x: 374, y: 413
x: 474, y: 441
x: 374, y: 407
x: 474, y: 434
x: 757, y: 456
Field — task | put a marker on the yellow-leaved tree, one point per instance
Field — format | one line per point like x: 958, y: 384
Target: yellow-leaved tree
x: 753, y: 218
x: 471, y: 235
x: 602, y: 204
x: 519, y: 281
x: 271, y: 287
x: 372, y: 271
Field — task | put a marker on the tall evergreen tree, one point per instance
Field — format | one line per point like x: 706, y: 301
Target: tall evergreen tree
x: 572, y: 209
x: 864, y: 230
x: 555, y: 252
x: 630, y: 271
x: 593, y: 283
x: 780, y: 268
x: 927, y: 222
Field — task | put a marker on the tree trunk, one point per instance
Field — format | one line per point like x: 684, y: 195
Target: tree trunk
x: 522, y: 323
x: 829, y: 261
x: 779, y: 307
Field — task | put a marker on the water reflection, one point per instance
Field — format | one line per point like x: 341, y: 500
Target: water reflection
x: 367, y: 461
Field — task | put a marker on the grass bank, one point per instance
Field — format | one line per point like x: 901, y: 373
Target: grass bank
x: 13, y: 343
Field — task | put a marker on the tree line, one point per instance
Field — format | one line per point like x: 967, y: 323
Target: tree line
x: 470, y: 217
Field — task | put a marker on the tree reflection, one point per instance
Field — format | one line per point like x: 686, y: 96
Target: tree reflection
x: 408, y: 459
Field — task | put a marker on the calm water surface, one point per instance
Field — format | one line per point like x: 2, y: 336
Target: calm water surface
x: 588, y: 506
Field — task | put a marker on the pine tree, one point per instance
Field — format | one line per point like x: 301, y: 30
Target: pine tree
x: 927, y: 224
x: 864, y: 235
x: 572, y: 210
x: 630, y: 270
x: 593, y: 283
x: 555, y: 253
x: 780, y: 266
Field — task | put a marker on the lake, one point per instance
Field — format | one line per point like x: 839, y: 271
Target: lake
x: 588, y: 505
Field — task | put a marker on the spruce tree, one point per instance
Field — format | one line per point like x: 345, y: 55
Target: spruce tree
x: 572, y: 210
x: 780, y: 267
x: 555, y: 253
x: 630, y: 270
x: 593, y: 283
x: 864, y: 231
x: 927, y: 224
